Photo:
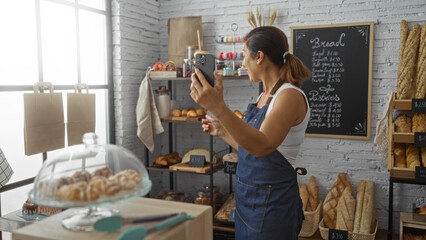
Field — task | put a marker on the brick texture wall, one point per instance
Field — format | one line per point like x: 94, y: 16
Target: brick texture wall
x: 140, y: 39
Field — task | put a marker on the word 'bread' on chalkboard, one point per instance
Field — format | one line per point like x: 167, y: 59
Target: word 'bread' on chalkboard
x: 420, y: 174
x: 334, y: 234
x: 418, y: 105
x: 420, y: 139
x: 230, y: 167
x: 339, y: 90
x: 197, y: 160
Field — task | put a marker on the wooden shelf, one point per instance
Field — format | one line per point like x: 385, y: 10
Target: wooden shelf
x: 403, y: 137
x: 218, y: 226
x: 215, y: 169
x: 411, y: 220
x: 189, y: 79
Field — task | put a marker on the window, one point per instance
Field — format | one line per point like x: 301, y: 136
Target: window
x: 59, y: 41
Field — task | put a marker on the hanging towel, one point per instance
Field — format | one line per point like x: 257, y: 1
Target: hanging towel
x: 147, y: 119
x: 381, y: 139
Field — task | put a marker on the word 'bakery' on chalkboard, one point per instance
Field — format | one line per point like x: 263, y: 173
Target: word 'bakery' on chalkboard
x: 339, y: 90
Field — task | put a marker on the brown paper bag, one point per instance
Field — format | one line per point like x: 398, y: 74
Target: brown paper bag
x: 183, y: 32
x: 44, y: 127
x: 81, y: 115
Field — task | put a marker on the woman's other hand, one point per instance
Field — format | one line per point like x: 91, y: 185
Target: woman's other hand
x: 213, y: 127
x: 205, y: 95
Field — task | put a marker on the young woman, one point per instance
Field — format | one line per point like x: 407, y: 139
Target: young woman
x: 268, y: 205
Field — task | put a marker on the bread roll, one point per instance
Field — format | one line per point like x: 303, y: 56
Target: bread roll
x: 313, y: 194
x: 413, y: 156
x: 304, y: 195
x: 419, y: 122
x: 345, y: 211
x: 176, y: 113
x: 191, y: 113
x: 332, y: 199
x: 200, y: 112
x: 403, y: 123
x: 184, y: 112
x: 399, y: 155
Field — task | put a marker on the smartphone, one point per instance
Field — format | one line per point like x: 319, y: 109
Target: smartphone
x: 205, y: 63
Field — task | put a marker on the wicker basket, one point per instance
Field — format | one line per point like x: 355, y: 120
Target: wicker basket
x: 311, y: 222
x: 351, y: 235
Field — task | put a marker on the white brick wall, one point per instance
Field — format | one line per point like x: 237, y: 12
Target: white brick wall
x: 140, y: 39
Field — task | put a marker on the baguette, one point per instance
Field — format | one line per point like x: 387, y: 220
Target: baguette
x: 345, y: 211
x: 367, y: 212
x: 413, y: 158
x: 403, y: 34
x: 399, y: 155
x: 421, y: 67
x: 364, y: 211
x: 409, y: 57
x: 332, y: 199
x: 304, y: 195
x: 313, y: 194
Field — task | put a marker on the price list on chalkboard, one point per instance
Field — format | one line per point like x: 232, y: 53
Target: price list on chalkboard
x: 339, y: 88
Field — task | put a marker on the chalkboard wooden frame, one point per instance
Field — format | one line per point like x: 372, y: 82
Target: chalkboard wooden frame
x: 364, y: 132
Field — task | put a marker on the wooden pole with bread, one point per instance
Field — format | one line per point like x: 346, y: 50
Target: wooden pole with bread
x: 421, y: 66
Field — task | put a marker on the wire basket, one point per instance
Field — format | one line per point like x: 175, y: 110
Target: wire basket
x: 311, y: 222
x: 351, y: 235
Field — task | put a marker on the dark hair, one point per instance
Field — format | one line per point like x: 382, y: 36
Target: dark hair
x: 273, y: 43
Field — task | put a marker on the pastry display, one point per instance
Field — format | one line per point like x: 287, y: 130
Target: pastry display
x: 403, y: 123
x: 332, y: 199
x: 419, y: 122
x: 225, y: 210
x: 167, y: 160
x: 346, y: 211
x: 104, y: 172
x: 200, y: 151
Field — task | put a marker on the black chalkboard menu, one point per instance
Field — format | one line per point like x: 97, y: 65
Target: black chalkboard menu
x: 339, y: 90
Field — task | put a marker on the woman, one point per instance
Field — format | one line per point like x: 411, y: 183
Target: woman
x: 268, y: 205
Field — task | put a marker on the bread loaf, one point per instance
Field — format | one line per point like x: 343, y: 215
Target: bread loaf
x: 424, y: 156
x: 406, y: 78
x: 413, y: 157
x: 419, y: 122
x: 399, y: 155
x: 345, y: 211
x: 332, y: 199
x: 223, y: 213
x: 365, y: 210
x: 403, y: 123
x: 421, y: 67
x: 313, y: 194
x: 304, y: 195
x: 200, y: 151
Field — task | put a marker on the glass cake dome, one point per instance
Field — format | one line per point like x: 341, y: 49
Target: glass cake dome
x: 90, y: 175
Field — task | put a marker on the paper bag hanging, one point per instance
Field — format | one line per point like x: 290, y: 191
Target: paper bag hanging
x: 44, y: 127
x: 6, y: 171
x: 81, y: 114
x: 183, y: 32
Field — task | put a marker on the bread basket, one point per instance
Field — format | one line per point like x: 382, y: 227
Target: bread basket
x: 351, y: 235
x: 311, y: 222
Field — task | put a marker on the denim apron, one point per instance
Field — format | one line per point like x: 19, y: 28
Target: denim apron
x: 268, y: 205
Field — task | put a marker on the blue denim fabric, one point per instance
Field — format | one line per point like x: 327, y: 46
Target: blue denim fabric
x: 268, y: 205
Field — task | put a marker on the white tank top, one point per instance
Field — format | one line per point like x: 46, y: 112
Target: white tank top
x: 291, y: 145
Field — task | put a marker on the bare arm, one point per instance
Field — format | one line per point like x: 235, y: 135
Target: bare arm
x: 283, y: 116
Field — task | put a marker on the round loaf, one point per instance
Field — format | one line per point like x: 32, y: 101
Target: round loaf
x: 177, y: 113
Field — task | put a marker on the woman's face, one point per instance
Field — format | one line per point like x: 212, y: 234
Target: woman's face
x: 250, y: 63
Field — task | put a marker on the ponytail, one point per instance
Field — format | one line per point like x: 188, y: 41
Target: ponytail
x: 294, y: 71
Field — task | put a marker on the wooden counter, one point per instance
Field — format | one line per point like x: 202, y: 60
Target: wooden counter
x: 201, y: 227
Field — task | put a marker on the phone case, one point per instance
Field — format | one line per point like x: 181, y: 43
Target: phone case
x: 205, y: 63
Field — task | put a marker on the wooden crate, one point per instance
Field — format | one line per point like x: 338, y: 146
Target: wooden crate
x: 184, y: 167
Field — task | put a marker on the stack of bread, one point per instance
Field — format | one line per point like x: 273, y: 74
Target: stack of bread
x: 309, y: 195
x: 411, y: 82
x: 167, y: 160
x: 343, y: 212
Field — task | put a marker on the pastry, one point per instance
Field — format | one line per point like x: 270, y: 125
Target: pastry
x: 399, y: 155
x: 29, y: 208
x: 200, y: 112
x: 105, y: 172
x: 191, y: 113
x: 402, y: 123
x: 79, y: 191
x: 169, y: 66
x: 184, y: 112
x: 332, y: 199
x: 345, y: 211
x: 419, y: 122
x: 98, y: 183
x: 135, y: 176
x: 304, y: 195
x: 177, y: 113
x: 313, y: 194
x: 111, y: 188
x: 161, y: 160
x: 125, y: 182
x: 64, y: 181
x: 238, y: 114
x: 158, y: 66
x: 81, y: 176
x: 413, y: 158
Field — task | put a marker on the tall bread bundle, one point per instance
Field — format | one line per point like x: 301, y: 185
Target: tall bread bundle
x: 332, y: 199
x: 421, y: 66
x: 304, y: 195
x: 313, y: 194
x: 346, y: 211
x: 365, y: 213
x: 407, y: 64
